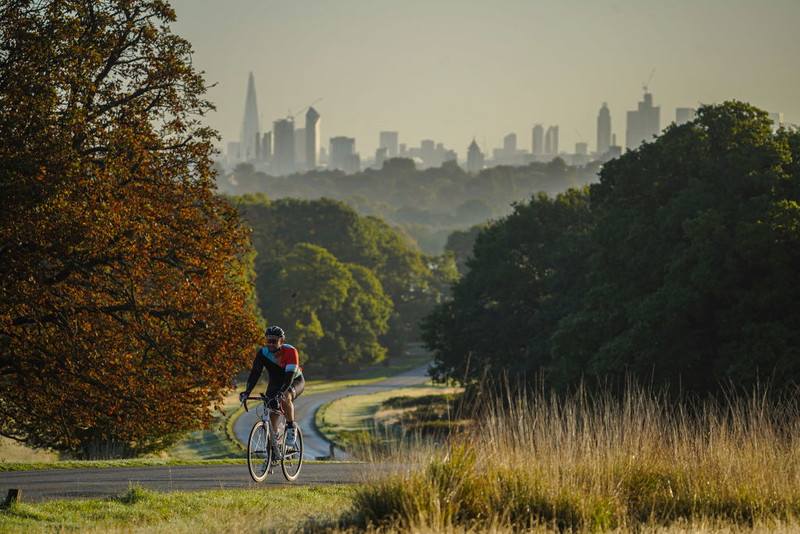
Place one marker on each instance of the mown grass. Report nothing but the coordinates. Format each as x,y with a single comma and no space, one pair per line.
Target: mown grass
359,414
141,510
596,464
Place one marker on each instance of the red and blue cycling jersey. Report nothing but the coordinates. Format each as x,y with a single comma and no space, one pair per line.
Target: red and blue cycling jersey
283,368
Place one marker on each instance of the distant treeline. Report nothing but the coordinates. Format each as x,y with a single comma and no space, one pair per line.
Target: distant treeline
680,267
428,204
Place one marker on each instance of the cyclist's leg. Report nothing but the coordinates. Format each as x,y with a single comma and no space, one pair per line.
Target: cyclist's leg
287,403
273,388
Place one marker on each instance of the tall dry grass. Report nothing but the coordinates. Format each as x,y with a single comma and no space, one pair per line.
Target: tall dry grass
593,462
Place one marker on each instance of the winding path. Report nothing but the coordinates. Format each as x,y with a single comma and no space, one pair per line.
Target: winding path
52,484
306,407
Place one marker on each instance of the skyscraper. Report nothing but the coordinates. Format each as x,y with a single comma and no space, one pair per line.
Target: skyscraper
603,130
283,144
312,138
551,141
343,154
643,124
249,137
266,146
510,144
474,158
537,140
388,140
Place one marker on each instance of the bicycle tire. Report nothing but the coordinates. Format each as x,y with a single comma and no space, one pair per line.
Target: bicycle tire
259,452
292,460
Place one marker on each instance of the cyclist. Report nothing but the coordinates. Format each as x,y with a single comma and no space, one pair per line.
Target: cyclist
286,381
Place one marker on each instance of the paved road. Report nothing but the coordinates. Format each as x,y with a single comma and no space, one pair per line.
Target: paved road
308,403
50,484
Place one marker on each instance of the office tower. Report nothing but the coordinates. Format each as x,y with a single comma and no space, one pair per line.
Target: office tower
427,151
643,124
581,149
266,146
551,141
388,140
283,142
474,158
603,130
312,138
614,151
343,154
537,140
250,129
683,115
777,120
510,144
381,155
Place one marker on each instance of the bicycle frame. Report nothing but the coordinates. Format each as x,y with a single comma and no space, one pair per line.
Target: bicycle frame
261,451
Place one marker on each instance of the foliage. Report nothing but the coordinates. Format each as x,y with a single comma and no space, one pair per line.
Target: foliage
348,287
428,203
523,277
696,266
681,266
125,296
461,243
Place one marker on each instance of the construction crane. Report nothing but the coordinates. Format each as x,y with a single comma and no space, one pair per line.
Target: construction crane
292,115
647,83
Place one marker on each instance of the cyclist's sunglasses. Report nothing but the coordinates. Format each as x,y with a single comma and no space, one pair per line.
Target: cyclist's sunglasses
273,339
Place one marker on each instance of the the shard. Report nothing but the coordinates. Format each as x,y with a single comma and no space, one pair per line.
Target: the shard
248,140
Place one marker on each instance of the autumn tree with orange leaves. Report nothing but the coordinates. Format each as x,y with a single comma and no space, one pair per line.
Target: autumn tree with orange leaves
125,304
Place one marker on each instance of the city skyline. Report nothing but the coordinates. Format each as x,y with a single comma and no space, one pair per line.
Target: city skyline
457,71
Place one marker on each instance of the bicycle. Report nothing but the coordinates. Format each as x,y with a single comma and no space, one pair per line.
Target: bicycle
260,452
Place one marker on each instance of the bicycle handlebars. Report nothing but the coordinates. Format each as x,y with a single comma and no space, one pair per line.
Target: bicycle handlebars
263,398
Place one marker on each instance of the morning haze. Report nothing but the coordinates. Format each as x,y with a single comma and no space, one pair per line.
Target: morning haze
454,71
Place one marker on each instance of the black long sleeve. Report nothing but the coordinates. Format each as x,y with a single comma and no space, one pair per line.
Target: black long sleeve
255,372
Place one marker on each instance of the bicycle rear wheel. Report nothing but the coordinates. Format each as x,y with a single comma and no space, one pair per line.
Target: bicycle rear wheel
259,452
292,459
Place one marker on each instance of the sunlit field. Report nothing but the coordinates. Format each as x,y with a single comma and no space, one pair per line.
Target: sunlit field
590,463
587,463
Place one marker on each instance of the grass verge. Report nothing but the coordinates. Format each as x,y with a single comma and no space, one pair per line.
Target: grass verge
140,510
359,416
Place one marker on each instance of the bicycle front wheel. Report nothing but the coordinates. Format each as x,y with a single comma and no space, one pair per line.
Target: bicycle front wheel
258,452
292,457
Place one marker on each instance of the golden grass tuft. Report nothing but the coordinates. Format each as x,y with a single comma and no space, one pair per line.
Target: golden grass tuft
594,463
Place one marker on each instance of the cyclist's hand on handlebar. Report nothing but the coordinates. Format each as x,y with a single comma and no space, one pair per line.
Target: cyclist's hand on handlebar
242,396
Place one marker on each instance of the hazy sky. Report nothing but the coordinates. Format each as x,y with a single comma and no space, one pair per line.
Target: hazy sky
454,70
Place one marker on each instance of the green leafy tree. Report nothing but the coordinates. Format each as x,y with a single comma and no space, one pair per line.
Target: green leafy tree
335,312
124,307
694,275
414,282
526,273
461,243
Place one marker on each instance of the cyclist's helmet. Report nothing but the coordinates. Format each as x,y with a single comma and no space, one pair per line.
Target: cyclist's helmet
276,331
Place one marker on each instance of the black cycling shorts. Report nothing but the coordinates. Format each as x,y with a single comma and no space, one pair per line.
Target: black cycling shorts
297,387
